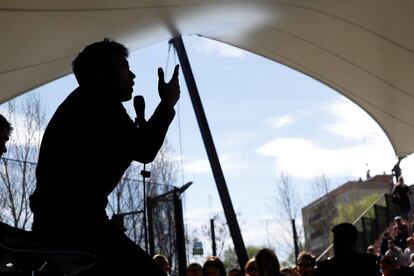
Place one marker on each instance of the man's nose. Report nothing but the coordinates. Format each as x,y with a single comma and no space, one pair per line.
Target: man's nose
132,75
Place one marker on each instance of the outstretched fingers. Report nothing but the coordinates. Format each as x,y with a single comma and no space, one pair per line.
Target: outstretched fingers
175,74
160,76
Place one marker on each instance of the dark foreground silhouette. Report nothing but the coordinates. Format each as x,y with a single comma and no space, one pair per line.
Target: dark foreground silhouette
88,144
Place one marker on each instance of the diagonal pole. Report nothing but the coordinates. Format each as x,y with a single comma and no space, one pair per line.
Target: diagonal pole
211,152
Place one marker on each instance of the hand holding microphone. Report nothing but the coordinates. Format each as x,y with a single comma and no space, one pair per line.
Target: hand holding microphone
139,106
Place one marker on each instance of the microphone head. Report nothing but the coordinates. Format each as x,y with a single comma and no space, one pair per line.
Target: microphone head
139,102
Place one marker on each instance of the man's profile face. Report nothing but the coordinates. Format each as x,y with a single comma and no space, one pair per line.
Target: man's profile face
305,266
121,79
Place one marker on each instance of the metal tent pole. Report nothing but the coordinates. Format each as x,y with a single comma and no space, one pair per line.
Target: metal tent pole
211,152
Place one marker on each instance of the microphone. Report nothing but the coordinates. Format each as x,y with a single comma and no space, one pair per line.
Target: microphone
139,106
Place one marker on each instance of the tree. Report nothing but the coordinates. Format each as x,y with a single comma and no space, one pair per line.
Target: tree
351,211
222,233
288,202
17,172
321,187
287,198
163,178
230,258
128,197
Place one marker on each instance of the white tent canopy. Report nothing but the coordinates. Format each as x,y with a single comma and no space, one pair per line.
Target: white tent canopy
362,48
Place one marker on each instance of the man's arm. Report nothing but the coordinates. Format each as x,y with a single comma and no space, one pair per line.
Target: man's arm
151,134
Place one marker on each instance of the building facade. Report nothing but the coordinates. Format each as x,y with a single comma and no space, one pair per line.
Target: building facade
318,215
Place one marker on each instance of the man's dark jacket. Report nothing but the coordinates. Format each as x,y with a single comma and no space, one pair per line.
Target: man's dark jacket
87,146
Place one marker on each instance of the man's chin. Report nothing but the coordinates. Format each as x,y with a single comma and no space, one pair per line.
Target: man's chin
126,97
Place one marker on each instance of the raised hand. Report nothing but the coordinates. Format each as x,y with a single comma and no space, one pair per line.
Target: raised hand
169,92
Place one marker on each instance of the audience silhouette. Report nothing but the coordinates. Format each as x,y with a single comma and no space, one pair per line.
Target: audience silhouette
213,267
194,269
267,263
346,260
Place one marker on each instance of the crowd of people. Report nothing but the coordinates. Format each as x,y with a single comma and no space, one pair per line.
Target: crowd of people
385,260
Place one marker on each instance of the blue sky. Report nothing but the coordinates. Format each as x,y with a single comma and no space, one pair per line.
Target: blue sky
265,119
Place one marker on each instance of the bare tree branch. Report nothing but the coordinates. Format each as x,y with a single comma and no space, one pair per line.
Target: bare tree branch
287,199
17,174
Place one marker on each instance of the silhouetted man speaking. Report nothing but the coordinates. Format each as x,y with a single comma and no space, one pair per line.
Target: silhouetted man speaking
88,144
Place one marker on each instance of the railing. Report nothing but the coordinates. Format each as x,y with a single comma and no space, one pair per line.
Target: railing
370,224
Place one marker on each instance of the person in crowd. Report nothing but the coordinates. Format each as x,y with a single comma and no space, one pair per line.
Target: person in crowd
401,232
346,260
409,250
235,272
384,242
267,263
162,262
213,267
250,268
5,132
395,252
289,271
372,252
194,269
396,170
402,198
411,264
390,267
306,264
86,148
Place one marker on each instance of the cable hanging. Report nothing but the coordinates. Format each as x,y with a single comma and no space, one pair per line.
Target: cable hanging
178,110
179,129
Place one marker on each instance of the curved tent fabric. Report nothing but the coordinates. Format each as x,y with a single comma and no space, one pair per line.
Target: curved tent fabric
363,49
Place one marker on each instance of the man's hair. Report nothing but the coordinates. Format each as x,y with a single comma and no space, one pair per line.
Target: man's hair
346,231
96,57
213,261
160,256
267,262
4,124
194,265
307,256
250,265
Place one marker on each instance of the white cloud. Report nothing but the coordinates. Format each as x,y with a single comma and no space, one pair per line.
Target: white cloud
212,47
235,139
304,159
203,165
199,166
351,121
281,121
